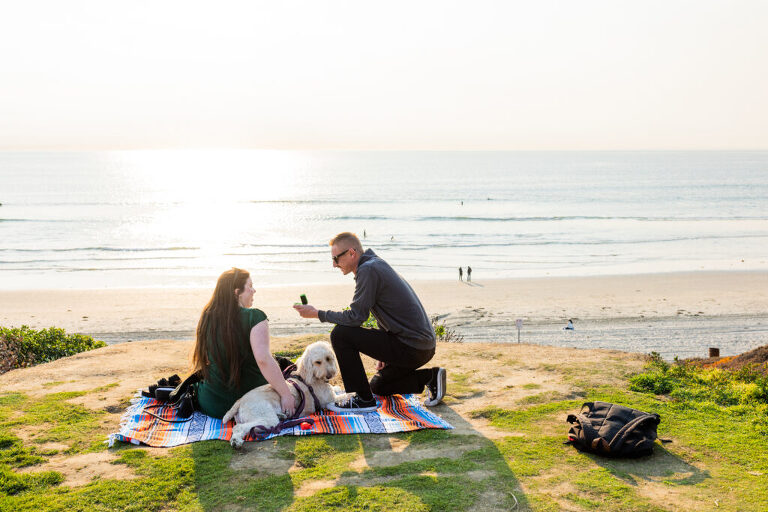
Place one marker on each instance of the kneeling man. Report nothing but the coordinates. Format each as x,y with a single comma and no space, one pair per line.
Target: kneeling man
403,343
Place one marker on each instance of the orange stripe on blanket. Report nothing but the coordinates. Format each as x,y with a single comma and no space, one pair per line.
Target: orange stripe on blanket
397,413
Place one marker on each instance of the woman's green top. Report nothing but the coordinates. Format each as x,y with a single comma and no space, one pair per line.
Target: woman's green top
214,396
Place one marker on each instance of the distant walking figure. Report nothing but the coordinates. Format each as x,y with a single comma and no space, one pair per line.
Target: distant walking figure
469,274
461,273
569,327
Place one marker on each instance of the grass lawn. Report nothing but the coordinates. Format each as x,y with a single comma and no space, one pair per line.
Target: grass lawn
503,455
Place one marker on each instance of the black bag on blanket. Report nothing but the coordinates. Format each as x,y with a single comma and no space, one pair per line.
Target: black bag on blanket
613,430
181,398
163,388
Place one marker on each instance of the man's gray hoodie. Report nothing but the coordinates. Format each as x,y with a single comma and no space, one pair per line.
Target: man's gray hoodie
382,291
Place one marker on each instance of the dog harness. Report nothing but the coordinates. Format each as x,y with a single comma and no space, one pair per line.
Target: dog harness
296,419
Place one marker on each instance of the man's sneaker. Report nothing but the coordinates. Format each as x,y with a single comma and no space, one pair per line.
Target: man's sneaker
354,404
435,387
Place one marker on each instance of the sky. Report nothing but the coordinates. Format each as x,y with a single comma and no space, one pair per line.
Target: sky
396,75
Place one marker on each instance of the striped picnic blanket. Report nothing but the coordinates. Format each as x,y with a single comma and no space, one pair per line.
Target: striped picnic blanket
397,413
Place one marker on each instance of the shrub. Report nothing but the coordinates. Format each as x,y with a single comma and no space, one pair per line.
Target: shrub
24,346
444,333
652,382
371,323
685,381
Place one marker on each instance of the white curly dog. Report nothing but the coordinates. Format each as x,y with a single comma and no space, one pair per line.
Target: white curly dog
261,405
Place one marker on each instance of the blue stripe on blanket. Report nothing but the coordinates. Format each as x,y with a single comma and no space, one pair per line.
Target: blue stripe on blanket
397,413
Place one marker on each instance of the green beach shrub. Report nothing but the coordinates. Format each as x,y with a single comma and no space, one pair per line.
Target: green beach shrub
21,347
444,333
370,323
652,382
684,381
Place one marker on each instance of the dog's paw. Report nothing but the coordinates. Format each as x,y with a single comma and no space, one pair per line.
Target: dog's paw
343,398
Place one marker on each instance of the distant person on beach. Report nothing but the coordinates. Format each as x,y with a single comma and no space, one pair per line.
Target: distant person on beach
569,327
469,274
403,343
461,273
232,348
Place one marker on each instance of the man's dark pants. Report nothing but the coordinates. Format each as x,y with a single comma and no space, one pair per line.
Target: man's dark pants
400,375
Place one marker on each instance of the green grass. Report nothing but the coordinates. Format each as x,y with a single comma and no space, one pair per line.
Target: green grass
376,498
717,455
52,419
688,382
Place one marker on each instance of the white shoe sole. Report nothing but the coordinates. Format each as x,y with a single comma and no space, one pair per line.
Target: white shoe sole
356,410
441,384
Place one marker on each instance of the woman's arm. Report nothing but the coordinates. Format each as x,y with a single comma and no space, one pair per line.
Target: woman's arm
269,367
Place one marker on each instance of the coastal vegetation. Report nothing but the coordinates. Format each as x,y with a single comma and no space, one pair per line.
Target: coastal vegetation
508,404
22,346
688,380
442,331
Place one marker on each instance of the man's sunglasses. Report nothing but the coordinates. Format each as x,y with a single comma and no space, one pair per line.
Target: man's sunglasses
336,258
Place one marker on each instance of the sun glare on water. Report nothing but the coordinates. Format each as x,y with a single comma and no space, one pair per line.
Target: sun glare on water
206,198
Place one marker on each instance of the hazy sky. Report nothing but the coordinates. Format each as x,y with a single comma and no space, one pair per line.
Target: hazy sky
384,75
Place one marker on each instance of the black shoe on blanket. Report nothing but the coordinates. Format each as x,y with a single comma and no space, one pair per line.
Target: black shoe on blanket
436,387
354,404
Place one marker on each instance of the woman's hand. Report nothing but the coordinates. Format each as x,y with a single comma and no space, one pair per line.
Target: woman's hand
269,367
288,404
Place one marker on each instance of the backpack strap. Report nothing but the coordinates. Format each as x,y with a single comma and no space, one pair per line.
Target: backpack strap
590,433
587,428
591,437
618,440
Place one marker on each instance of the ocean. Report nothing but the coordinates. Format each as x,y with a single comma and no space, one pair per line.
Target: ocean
82,220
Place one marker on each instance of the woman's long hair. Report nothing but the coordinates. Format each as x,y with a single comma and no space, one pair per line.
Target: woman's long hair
219,329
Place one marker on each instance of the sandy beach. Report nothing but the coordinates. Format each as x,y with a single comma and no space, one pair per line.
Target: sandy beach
675,314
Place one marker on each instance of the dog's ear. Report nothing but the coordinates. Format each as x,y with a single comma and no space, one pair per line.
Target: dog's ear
304,365
329,351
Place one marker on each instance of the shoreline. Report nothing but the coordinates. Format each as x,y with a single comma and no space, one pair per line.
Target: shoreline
673,313
339,280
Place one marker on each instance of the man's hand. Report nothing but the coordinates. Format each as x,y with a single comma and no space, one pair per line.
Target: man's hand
380,365
306,311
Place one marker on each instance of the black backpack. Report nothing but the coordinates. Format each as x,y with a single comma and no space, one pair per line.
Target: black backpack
613,430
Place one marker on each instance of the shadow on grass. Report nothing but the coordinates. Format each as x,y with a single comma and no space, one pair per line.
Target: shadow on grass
421,470
662,466
445,469
256,478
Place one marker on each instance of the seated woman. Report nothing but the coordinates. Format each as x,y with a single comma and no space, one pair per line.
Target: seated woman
232,348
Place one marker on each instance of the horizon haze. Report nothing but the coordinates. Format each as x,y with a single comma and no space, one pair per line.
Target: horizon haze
552,75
